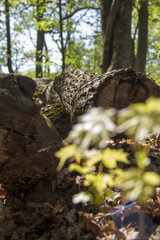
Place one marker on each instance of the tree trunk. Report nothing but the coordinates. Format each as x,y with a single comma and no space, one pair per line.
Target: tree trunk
142,36
105,6
61,35
28,139
47,60
117,45
40,39
9,52
75,91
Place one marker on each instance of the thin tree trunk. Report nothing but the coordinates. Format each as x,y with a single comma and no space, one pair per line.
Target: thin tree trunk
47,63
142,36
9,53
39,69
40,40
105,6
61,35
108,35
122,44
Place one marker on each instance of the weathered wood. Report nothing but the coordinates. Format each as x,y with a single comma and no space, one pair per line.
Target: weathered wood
28,140
74,91
62,94
40,89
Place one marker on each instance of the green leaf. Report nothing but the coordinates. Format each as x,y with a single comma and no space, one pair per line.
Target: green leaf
65,153
151,178
111,156
80,169
141,119
137,185
142,157
93,159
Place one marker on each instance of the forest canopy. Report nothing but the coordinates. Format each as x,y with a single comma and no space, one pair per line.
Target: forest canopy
41,38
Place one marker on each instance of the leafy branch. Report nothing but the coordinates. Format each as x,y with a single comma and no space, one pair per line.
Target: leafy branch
89,141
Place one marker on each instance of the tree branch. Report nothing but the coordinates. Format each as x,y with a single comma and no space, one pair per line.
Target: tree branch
77,10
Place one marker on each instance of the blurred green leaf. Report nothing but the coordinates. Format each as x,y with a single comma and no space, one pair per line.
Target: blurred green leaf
141,119
98,185
137,185
66,152
94,159
111,156
142,157
80,169
151,178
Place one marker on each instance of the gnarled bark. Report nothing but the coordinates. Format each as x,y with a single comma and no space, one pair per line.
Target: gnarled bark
73,92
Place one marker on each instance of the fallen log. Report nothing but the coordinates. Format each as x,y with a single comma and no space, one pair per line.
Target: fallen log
75,91
28,139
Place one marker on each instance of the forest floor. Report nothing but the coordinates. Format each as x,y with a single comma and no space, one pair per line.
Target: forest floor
63,220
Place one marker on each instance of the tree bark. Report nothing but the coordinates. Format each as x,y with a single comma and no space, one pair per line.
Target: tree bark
75,91
117,45
105,6
28,139
9,52
61,35
142,36
40,39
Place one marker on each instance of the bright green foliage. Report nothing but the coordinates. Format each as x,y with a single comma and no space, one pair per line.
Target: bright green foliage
153,62
136,183
89,138
141,156
98,183
75,54
67,152
140,120
110,157
81,30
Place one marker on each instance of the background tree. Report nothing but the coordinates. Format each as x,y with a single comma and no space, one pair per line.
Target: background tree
71,15
75,40
116,34
153,61
140,62
40,9
9,51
